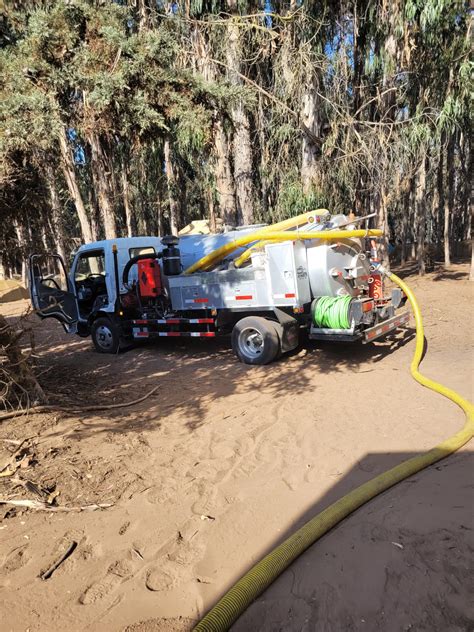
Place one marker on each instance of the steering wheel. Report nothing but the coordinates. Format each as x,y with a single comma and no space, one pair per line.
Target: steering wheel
50,279
91,279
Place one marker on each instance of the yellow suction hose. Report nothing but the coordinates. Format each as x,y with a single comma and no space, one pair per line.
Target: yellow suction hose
255,581
217,255
292,222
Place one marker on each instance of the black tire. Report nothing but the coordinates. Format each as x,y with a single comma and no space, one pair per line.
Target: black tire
255,340
105,336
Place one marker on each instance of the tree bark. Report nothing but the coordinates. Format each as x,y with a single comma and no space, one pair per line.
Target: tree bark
381,209
421,216
67,164
172,189
56,221
211,210
439,209
242,143
449,201
102,178
126,200
21,239
471,275
405,226
159,217
223,175
309,116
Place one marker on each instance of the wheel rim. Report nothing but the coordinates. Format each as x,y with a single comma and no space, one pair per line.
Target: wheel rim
104,337
251,342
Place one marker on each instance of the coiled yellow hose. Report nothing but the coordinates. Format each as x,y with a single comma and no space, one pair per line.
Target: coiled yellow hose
255,581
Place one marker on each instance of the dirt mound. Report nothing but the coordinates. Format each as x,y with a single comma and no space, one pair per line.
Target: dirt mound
11,290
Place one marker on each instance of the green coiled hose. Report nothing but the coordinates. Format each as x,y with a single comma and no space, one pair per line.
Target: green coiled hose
332,312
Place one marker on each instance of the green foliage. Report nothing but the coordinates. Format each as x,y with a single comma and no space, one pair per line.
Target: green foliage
390,84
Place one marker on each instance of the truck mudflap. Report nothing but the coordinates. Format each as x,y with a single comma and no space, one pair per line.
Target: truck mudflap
385,327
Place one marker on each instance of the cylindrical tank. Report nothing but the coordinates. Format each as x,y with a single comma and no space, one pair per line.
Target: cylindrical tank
194,247
171,256
337,269
334,269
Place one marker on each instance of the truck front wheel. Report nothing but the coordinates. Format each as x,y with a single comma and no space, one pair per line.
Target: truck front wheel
105,336
255,340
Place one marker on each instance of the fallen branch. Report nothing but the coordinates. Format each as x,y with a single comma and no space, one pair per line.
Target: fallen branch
49,572
12,464
43,506
85,409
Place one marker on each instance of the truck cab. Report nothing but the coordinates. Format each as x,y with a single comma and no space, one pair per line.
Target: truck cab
87,291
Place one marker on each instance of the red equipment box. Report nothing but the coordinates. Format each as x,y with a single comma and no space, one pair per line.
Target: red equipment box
149,278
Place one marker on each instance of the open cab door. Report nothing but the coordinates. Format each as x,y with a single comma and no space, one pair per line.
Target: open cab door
51,293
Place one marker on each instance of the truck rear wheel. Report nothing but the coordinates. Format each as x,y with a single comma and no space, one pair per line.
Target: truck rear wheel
255,340
105,336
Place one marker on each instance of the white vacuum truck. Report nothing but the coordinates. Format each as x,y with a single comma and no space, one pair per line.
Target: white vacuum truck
261,285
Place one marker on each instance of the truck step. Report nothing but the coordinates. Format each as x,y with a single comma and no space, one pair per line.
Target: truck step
174,321
383,328
144,332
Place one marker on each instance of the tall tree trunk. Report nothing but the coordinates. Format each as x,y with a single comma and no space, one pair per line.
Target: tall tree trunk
405,225
310,118
172,189
67,164
382,222
242,143
56,221
103,184
449,201
223,175
471,275
421,216
126,199
159,215
440,193
211,211
21,239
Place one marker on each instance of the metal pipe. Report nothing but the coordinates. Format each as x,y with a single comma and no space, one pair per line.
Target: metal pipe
118,303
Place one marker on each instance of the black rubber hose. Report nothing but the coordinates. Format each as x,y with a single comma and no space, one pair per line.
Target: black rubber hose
132,262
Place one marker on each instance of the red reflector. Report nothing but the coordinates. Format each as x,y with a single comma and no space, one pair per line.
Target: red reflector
368,306
201,300
290,295
244,297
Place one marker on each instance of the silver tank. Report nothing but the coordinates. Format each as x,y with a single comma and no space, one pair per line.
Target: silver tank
334,269
194,247
337,268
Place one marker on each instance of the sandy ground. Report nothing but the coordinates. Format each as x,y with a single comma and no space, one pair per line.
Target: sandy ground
225,461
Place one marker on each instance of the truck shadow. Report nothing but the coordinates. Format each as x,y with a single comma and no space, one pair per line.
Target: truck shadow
191,375
397,563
